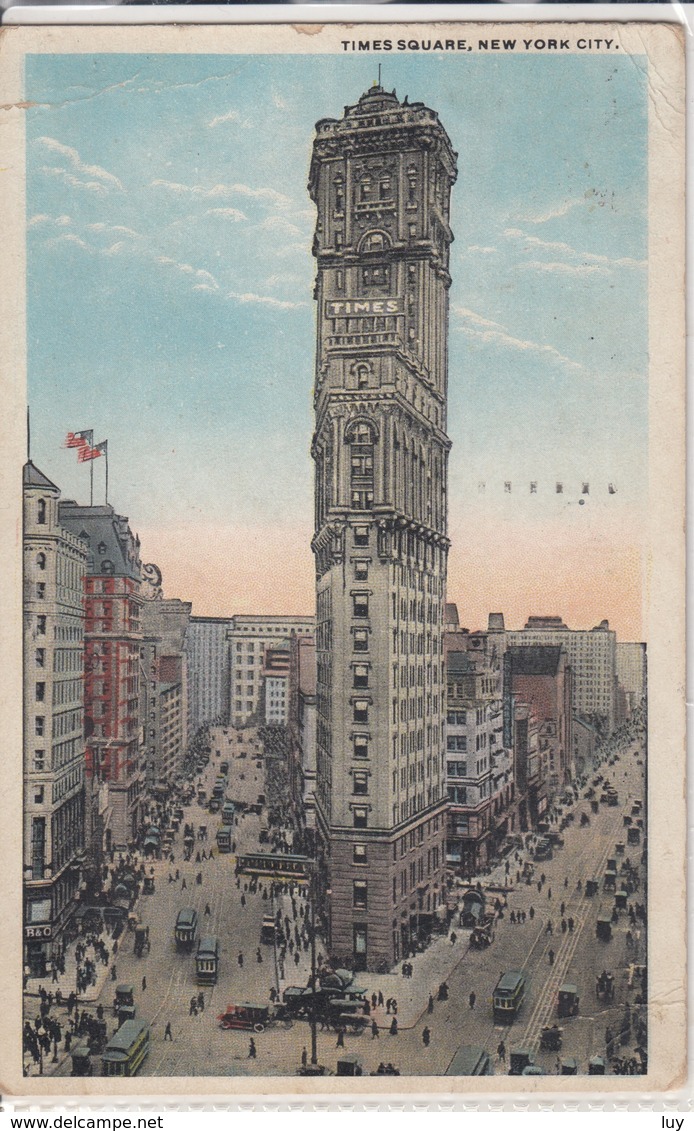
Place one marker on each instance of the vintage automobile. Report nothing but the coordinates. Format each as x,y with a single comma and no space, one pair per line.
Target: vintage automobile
81,1061
519,1060
604,986
596,1066
568,1000
603,928
252,1016
473,908
142,942
592,887
551,1037
124,1003
569,1066
148,885
482,935
349,1066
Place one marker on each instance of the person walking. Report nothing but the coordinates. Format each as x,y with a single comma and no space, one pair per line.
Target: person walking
183,884
168,1036
304,1057
374,1030
252,1051
144,983
473,999
550,955
430,1006
240,959
501,1051
340,1039
207,909
201,1002
426,1036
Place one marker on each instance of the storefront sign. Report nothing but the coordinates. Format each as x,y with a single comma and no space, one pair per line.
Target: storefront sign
44,932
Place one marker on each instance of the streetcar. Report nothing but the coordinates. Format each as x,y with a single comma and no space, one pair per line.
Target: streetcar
224,838
127,1049
207,961
280,867
509,995
186,929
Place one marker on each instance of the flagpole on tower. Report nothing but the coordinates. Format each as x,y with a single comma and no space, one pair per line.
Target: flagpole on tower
91,483
28,435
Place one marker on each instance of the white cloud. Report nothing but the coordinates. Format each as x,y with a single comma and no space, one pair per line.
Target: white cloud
209,280
107,180
221,190
71,238
42,218
72,180
279,102
553,213
265,300
476,319
228,213
280,225
280,279
230,116
562,268
477,249
558,247
485,330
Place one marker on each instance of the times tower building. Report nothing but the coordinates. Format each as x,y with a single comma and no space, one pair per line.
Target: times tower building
381,178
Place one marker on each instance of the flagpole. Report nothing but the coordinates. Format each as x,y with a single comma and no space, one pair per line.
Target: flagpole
91,482
106,454
28,435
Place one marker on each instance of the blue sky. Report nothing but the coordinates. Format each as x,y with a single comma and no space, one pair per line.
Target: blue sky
170,276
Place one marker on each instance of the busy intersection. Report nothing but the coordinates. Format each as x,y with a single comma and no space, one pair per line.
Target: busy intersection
542,920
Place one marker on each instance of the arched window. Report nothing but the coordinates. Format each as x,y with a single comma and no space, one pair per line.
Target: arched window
41,512
41,561
362,376
365,189
361,441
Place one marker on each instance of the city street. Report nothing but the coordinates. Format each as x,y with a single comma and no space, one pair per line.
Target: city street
229,910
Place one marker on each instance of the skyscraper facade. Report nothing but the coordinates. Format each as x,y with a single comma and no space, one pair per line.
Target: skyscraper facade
55,563
381,178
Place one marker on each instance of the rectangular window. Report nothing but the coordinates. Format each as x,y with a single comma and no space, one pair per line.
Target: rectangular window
361,745
359,895
361,570
360,674
39,760
39,725
360,816
41,625
361,640
361,535
360,604
456,742
41,590
359,854
360,782
457,718
40,657
361,710
38,845
457,769
360,937
38,795
40,692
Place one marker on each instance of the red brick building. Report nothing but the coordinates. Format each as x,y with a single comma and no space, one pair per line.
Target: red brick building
113,637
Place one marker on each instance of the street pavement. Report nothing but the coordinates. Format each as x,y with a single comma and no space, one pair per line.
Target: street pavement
234,914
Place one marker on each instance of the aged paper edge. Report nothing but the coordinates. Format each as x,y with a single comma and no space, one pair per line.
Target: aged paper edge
664,588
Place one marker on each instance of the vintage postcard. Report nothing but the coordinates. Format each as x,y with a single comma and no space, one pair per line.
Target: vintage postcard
342,531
